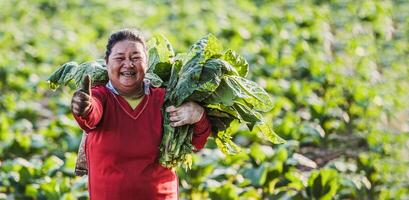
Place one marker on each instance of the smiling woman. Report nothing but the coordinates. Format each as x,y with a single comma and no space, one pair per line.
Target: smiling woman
127,65
124,126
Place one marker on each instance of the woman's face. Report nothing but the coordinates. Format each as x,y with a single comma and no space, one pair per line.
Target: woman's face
127,65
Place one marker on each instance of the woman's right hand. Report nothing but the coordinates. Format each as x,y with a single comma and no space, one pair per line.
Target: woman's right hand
81,100
187,113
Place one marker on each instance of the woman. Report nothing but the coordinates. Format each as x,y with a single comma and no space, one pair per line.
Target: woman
124,125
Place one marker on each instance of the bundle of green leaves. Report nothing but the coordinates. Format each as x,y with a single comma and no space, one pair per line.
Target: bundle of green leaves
205,74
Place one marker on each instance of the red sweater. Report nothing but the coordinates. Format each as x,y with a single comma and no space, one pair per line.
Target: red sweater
122,147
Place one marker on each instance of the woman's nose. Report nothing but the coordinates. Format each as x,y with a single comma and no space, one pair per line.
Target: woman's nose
129,63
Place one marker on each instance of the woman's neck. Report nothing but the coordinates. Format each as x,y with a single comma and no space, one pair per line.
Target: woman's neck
135,95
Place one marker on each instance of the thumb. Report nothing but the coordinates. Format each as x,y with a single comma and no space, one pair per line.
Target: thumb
86,84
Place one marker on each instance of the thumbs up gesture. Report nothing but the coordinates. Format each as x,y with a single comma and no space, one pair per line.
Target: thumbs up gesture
81,100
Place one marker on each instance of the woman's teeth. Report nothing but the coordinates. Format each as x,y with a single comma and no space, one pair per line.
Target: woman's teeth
127,73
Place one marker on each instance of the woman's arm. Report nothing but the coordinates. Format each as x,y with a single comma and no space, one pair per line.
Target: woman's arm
201,132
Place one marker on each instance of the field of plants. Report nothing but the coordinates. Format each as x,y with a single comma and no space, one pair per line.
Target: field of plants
337,72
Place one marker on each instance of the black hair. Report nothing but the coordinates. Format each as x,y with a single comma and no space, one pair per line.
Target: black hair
121,35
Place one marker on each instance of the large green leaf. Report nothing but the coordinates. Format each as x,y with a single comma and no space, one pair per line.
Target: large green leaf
208,47
188,77
62,75
237,61
161,56
237,89
255,96
208,82
96,69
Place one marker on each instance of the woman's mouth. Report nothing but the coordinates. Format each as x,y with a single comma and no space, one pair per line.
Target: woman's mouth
127,74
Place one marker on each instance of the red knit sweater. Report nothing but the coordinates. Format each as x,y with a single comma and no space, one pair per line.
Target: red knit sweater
122,147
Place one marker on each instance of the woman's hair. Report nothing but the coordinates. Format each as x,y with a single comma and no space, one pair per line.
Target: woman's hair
121,35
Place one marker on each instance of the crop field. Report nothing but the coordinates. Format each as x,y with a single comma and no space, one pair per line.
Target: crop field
337,72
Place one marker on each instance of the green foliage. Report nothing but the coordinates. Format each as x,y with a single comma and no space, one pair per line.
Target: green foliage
213,83
72,71
337,72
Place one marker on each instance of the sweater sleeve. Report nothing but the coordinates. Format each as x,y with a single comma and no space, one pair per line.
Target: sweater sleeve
94,114
201,132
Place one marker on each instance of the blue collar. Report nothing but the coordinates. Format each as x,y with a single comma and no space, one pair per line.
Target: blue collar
111,88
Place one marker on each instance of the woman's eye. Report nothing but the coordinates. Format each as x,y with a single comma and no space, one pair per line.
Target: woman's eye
136,58
119,59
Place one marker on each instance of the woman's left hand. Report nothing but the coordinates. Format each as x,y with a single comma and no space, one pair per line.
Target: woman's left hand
187,113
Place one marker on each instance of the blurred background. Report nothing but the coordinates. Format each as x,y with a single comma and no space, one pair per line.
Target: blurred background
337,71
